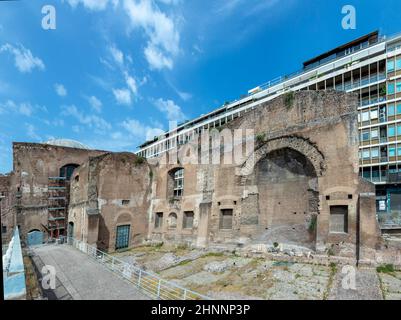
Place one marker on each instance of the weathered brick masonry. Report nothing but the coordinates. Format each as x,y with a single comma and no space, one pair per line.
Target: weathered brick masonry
299,185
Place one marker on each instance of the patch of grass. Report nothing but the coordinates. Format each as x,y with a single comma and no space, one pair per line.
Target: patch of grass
312,224
381,286
260,138
158,245
181,246
386,268
333,271
289,99
139,160
330,252
213,254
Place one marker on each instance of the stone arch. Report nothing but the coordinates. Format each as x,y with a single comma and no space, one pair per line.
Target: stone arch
70,230
123,217
302,145
282,177
67,170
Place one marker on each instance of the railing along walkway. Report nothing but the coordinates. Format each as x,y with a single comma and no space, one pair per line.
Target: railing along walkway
147,282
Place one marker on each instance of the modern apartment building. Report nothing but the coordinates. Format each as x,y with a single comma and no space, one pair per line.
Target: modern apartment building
369,66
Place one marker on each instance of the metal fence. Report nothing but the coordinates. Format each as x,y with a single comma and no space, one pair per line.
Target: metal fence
148,282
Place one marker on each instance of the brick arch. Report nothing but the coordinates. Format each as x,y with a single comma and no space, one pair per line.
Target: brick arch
123,217
302,145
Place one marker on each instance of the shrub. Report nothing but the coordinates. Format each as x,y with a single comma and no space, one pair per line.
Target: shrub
139,160
312,224
289,99
387,268
260,137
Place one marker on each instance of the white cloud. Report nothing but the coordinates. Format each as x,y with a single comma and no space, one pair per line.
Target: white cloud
131,83
184,95
139,130
170,2
95,5
92,121
117,54
123,96
76,129
172,111
23,108
161,30
60,90
31,132
156,59
23,58
95,103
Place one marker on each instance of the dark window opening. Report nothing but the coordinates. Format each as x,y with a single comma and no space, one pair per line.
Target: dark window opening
159,220
188,220
67,171
125,202
339,219
226,219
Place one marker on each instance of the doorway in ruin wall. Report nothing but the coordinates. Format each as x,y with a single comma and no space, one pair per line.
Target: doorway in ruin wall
284,172
288,198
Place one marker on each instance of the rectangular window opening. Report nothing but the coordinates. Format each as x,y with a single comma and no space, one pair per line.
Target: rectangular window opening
339,219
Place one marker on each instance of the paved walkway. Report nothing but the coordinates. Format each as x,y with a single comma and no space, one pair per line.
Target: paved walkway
367,286
81,278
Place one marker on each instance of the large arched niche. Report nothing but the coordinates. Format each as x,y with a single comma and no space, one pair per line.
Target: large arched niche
302,145
285,172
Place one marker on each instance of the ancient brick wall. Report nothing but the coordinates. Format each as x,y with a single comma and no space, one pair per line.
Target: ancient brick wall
33,164
109,191
305,166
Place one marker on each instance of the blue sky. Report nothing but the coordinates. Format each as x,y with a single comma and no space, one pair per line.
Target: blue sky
114,72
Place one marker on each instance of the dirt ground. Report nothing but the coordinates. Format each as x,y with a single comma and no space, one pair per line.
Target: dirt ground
228,276
224,275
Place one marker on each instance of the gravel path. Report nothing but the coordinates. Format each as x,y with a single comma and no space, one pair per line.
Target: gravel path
81,278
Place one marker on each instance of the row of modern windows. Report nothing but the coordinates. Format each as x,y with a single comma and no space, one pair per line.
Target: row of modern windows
394,87
338,82
160,147
394,64
382,112
373,133
374,153
378,173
